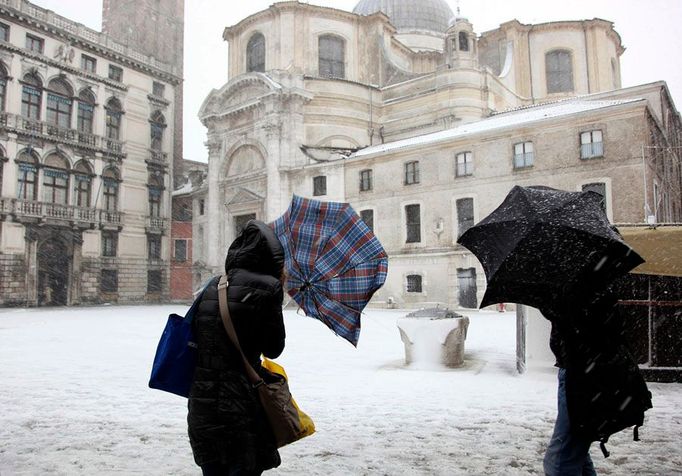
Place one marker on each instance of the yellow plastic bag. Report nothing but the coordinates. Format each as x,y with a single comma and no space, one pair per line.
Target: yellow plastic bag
307,424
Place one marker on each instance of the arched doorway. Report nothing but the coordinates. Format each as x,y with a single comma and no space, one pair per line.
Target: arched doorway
53,273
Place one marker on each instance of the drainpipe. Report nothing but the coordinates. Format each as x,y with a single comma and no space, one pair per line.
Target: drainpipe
530,66
587,60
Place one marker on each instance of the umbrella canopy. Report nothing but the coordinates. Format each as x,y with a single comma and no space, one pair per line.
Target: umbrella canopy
540,239
333,261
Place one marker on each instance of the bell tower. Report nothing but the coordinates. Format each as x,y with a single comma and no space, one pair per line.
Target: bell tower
461,49
154,28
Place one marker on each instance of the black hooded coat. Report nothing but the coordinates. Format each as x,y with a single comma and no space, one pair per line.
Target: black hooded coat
226,423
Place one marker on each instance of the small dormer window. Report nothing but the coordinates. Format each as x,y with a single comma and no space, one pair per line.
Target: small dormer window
463,41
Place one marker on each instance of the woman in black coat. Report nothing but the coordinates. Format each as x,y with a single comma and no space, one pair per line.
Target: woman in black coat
228,430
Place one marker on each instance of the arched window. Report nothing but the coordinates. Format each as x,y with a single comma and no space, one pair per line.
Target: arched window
27,163
463,41
56,179
3,86
31,94
114,112
255,53
83,178
155,190
110,181
86,111
559,71
331,57
59,101
158,124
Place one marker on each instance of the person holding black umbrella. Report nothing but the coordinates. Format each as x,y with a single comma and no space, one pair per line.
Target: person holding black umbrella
556,250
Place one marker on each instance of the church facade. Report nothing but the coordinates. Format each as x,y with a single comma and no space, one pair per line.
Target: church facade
401,109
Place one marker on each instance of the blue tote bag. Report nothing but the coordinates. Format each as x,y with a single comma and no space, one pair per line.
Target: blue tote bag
176,354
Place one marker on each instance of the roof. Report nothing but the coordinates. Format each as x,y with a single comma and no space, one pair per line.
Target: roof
661,248
519,117
410,15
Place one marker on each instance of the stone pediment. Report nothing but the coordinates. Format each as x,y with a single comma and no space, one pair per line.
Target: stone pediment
244,196
242,91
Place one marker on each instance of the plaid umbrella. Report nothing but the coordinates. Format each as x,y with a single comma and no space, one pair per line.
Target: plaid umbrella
333,261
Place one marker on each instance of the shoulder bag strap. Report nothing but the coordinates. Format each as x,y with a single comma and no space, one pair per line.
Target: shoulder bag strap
231,333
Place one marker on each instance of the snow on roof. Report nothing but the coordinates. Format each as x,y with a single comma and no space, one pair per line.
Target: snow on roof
502,120
187,188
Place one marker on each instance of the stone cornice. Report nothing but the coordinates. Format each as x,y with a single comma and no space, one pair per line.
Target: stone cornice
61,65
283,7
108,50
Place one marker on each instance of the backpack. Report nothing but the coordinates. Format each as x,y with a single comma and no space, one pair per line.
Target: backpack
606,393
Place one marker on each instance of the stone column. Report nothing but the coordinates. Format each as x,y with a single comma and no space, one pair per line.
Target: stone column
215,207
75,278
31,258
273,130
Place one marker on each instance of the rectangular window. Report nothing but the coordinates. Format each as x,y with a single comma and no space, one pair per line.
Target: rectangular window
465,164
158,89
201,206
368,217
465,215
154,246
88,63
412,172
109,243
414,283
319,185
4,32
523,155
180,250
109,281
600,188
115,73
365,180
591,144
154,282
413,224
30,102
34,43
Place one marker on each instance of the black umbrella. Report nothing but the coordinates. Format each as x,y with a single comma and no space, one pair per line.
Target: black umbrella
540,239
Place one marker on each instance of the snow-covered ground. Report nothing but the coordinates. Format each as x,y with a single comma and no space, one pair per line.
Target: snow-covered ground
74,400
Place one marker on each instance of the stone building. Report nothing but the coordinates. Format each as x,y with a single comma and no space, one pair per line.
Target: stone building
86,130
401,109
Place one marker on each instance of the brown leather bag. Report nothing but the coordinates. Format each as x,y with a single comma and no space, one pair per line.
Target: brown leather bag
273,390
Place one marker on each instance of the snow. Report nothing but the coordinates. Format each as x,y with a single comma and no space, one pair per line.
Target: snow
75,400
185,189
515,118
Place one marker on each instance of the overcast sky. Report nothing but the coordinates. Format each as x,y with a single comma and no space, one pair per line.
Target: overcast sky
649,31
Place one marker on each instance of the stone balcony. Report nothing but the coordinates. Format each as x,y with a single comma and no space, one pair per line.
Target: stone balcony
53,133
157,225
81,217
157,158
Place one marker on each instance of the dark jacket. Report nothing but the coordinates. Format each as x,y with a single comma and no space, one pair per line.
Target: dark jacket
225,421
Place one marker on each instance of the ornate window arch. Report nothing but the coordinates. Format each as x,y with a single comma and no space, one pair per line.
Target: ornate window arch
27,163
331,56
255,53
114,112
31,96
56,179
559,71
86,111
82,174
158,124
59,102
110,181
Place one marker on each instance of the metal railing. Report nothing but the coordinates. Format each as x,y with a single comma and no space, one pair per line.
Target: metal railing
33,127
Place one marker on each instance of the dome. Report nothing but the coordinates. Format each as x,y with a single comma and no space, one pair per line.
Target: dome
410,15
